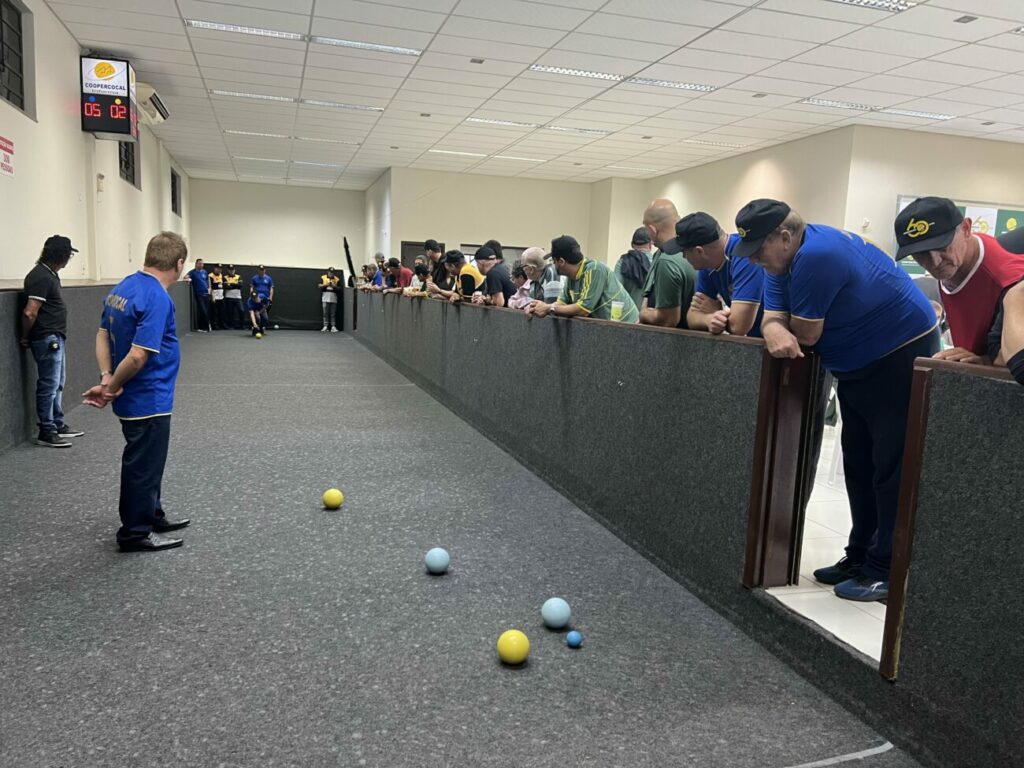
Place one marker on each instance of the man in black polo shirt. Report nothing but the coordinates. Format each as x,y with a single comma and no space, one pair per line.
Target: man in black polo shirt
498,287
44,327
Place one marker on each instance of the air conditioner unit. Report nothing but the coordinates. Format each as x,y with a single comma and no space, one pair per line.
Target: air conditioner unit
151,108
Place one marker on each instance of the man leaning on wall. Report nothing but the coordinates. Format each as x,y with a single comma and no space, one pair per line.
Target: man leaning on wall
44,329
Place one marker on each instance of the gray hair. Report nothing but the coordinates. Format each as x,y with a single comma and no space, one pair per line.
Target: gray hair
794,223
534,257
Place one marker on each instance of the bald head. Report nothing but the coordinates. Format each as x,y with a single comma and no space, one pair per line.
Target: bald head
660,220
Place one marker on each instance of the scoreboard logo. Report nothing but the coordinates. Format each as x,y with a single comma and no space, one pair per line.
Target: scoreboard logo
105,76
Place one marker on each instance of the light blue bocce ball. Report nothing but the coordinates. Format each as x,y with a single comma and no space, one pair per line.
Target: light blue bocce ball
555,612
574,639
437,560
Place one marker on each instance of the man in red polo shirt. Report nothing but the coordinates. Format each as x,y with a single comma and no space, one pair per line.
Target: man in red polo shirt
973,270
398,277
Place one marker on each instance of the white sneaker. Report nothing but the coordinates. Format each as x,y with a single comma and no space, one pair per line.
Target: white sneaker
324,329
334,330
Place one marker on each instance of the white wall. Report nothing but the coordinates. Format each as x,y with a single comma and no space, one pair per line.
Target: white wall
378,220
887,163
275,224
811,174
53,190
471,208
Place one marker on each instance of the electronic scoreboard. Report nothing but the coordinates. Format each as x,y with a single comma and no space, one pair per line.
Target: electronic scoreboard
109,110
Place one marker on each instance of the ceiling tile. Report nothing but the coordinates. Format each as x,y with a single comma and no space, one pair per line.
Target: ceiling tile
853,59
481,29
929,20
812,73
244,16
381,15
788,26
975,55
751,45
610,25
888,40
369,33
520,12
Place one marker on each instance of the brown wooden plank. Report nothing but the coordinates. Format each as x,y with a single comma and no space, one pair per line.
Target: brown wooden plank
761,472
906,513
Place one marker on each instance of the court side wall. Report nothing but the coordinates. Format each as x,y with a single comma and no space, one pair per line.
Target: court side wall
274,224
18,369
54,187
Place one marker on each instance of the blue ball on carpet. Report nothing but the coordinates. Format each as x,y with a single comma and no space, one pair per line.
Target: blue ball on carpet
574,639
437,560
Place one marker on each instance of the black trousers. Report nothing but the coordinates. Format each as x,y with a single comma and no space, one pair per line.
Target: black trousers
219,323
142,471
203,312
874,401
234,313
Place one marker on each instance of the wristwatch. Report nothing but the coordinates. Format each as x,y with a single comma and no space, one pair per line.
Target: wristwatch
106,373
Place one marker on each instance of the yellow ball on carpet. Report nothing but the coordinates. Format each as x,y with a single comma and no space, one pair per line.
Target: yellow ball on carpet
333,498
259,335
513,647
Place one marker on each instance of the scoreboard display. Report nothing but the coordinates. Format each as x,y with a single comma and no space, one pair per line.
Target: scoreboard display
108,103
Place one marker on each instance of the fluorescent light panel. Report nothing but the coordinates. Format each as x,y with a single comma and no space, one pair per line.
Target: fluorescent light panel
318,165
259,159
893,6
623,78
340,105
216,27
365,46
671,84
586,131
627,168
510,123
1018,31
262,135
839,104
713,143
882,110
263,96
520,159
576,72
915,113
327,141
451,152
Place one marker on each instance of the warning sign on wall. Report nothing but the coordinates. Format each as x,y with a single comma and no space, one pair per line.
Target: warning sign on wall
6,156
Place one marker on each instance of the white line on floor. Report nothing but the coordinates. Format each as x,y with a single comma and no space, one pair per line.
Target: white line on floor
847,758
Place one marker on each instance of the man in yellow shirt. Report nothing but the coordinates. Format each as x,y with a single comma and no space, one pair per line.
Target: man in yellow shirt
468,279
329,299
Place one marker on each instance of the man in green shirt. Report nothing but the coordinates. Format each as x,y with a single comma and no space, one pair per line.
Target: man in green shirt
671,281
591,290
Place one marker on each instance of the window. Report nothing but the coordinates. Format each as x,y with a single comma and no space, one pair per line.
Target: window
128,161
175,193
12,62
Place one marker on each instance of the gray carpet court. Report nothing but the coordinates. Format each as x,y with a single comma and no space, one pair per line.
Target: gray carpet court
284,635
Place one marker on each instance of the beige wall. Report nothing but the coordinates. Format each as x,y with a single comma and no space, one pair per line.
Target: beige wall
378,221
54,186
470,208
275,224
811,174
888,163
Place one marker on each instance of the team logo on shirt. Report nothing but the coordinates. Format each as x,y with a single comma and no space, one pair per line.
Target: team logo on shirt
917,228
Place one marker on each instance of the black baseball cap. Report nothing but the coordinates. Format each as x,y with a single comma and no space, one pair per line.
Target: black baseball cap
454,257
641,236
692,230
927,224
394,263
563,247
755,221
59,244
260,267
484,253
431,245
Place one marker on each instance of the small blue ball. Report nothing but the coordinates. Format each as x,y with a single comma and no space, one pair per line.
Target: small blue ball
437,560
555,612
574,639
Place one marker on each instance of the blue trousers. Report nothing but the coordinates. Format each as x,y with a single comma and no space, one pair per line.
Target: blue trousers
142,471
50,362
874,402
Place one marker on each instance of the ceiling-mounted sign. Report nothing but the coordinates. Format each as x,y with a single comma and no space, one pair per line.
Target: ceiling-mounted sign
6,156
108,99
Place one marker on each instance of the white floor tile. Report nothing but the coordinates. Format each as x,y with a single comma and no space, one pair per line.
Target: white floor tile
814,530
842,618
821,552
834,515
824,492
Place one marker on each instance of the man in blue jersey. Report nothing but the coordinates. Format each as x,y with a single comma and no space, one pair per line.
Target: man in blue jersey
137,352
829,289
729,287
199,279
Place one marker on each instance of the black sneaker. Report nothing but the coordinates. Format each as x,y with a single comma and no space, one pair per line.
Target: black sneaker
152,543
67,431
52,440
840,572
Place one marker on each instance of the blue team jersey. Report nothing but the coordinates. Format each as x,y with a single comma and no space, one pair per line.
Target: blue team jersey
378,279
200,281
736,280
869,304
263,284
139,312
257,303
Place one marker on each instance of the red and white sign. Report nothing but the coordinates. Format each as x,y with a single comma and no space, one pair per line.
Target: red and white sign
6,156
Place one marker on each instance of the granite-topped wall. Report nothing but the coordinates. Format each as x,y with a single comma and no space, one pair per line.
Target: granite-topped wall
18,369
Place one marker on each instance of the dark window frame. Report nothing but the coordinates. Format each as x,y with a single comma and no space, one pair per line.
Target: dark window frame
12,54
175,193
129,161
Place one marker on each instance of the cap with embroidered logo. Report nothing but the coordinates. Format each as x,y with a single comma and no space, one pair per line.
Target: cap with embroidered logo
755,221
691,231
927,224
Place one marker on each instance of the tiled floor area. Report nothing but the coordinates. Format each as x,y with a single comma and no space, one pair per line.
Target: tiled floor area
825,531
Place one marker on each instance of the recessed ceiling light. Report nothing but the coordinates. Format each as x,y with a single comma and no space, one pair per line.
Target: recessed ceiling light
671,84
520,159
318,165
258,159
476,61
586,131
894,6
576,72
340,105
424,114
759,95
966,19
365,46
646,137
839,104
451,152
1018,31
263,96
262,135
577,163
989,122
915,113
628,168
215,27
713,143
326,141
510,123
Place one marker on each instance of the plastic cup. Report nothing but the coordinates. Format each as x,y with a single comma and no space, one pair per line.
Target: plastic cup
617,307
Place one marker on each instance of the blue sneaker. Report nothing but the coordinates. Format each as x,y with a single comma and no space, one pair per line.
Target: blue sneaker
841,571
862,590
